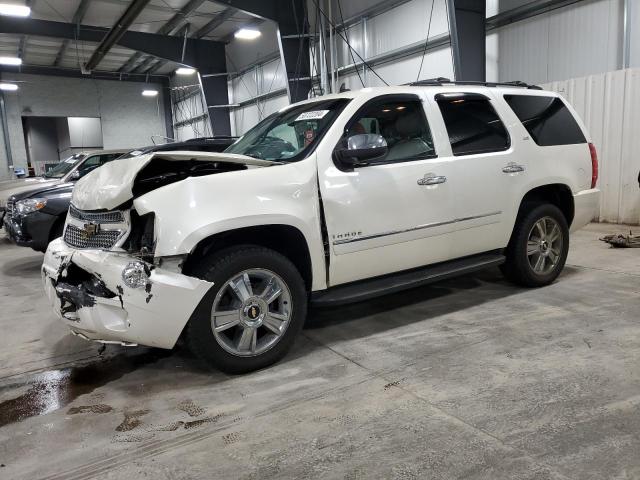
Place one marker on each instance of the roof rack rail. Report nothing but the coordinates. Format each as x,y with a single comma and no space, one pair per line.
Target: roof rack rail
445,81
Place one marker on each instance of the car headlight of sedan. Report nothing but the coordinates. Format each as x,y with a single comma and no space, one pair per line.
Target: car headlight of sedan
30,205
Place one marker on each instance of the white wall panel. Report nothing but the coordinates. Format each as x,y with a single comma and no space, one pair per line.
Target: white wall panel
581,39
405,25
609,104
634,33
247,117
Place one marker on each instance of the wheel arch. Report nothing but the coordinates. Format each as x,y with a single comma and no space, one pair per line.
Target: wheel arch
558,194
285,239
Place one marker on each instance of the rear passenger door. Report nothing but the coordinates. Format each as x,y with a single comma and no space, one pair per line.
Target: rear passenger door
488,175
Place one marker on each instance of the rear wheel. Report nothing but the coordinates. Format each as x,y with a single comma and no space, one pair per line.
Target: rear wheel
252,315
539,245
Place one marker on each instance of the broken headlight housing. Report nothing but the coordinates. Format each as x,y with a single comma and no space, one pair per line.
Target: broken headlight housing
135,275
30,205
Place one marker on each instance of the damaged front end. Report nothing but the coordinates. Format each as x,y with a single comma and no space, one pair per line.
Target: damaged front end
105,277
114,297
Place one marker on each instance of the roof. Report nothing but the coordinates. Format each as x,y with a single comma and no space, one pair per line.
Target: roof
444,88
166,17
101,152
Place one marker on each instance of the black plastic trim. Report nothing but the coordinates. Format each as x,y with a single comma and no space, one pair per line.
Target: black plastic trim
374,287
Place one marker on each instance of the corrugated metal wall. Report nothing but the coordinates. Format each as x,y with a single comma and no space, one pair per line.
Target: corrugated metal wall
573,41
609,104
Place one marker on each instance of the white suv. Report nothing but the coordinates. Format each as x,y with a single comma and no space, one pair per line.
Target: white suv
332,200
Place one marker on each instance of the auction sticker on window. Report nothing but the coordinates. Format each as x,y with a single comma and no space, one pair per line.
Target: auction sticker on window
312,115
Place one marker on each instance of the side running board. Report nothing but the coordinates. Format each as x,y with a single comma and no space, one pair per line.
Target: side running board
395,282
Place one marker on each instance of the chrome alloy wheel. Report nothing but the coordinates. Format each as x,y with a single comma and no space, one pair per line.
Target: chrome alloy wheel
544,245
251,312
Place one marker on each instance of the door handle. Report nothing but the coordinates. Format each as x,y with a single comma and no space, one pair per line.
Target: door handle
431,179
513,168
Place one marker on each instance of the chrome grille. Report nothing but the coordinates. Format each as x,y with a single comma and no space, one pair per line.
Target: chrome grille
105,239
97,217
9,208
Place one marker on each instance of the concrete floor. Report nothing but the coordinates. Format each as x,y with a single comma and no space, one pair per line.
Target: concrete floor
470,378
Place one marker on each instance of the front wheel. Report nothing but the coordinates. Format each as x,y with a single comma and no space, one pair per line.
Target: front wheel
538,248
254,312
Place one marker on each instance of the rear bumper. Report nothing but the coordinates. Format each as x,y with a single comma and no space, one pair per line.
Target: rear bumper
586,204
153,316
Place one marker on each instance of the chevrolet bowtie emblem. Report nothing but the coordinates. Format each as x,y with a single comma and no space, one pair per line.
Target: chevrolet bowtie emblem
90,230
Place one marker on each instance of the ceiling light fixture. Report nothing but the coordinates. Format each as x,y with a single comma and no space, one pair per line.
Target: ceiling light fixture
10,61
247,34
8,87
14,10
150,93
185,71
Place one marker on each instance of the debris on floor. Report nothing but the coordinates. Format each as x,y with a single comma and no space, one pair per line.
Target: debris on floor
620,240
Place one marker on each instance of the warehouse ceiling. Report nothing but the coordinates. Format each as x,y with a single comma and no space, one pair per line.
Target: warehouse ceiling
199,18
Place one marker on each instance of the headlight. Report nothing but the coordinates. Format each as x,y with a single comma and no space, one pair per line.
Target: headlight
135,275
30,205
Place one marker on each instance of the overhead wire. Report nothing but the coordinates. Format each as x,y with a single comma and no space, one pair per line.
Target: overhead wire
453,62
351,50
426,41
349,45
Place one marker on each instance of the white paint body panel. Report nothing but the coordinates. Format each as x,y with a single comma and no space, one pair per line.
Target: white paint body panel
156,321
378,219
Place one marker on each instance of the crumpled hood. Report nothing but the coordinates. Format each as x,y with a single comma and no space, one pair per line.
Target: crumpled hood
11,187
111,185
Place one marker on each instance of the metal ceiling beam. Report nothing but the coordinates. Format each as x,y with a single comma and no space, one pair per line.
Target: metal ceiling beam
72,72
117,31
152,66
161,46
215,22
77,20
174,23
22,46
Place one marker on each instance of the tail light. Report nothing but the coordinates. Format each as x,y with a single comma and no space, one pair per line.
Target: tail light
594,165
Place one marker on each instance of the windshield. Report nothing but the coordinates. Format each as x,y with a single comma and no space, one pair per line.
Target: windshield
288,136
64,167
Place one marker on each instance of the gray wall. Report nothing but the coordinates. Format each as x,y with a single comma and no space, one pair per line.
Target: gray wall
128,118
43,139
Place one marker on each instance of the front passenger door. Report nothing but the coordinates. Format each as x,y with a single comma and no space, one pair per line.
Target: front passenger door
396,212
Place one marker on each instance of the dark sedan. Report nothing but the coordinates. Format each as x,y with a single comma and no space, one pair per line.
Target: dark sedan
37,216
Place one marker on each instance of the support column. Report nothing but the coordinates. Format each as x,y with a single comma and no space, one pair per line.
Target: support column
468,38
293,37
212,67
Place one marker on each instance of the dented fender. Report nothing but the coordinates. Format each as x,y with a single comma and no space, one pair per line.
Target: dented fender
154,315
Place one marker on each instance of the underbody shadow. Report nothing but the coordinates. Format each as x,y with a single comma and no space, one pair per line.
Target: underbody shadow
23,267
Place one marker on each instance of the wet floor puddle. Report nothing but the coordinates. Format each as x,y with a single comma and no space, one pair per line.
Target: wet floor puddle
55,389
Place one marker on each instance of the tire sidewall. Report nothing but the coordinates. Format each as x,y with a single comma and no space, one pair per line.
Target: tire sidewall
219,270
523,270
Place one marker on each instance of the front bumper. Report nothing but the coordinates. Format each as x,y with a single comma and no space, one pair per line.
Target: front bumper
586,204
153,316
32,230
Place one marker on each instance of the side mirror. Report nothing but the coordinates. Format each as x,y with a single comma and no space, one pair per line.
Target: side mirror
75,175
357,149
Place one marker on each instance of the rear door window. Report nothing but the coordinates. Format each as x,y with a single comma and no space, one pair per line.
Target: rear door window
472,124
547,119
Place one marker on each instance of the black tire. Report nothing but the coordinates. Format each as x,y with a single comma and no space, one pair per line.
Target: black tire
220,268
517,267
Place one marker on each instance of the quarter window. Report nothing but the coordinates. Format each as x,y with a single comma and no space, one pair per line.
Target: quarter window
402,124
547,119
472,124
